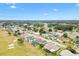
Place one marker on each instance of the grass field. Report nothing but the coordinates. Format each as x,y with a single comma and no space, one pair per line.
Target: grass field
25,50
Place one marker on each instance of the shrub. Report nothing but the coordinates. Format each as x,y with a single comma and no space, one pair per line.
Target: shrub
20,41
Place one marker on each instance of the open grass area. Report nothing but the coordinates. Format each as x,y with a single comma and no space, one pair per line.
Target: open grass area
25,50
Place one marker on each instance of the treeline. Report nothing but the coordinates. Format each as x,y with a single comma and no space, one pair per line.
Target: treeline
42,21
68,27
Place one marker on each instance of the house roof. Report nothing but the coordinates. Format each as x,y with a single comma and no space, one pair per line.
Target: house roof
66,53
34,43
51,47
30,38
77,50
64,39
77,42
40,41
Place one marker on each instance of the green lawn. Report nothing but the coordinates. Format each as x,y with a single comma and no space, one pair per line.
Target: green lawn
26,50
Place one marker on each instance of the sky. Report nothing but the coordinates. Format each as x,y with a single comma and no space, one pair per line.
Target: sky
39,11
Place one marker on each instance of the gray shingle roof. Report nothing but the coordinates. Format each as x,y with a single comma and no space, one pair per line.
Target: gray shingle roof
40,41
66,53
51,47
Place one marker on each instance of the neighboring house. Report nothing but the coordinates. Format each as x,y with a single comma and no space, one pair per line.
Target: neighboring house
59,34
66,53
30,38
51,47
49,41
77,42
75,33
53,33
45,35
56,43
36,33
48,36
52,37
34,43
71,35
40,41
65,39
77,50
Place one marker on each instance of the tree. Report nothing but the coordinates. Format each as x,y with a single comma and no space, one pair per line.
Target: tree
50,30
35,29
65,35
50,25
77,39
20,41
72,50
41,46
25,26
29,28
64,27
9,33
42,31
38,25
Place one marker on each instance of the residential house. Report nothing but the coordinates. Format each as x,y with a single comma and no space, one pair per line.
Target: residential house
77,50
34,43
40,41
30,38
65,39
66,53
51,47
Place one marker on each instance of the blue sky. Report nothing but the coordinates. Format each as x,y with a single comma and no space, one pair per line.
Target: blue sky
39,11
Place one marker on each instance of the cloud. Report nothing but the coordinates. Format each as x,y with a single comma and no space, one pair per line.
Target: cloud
12,6
55,9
